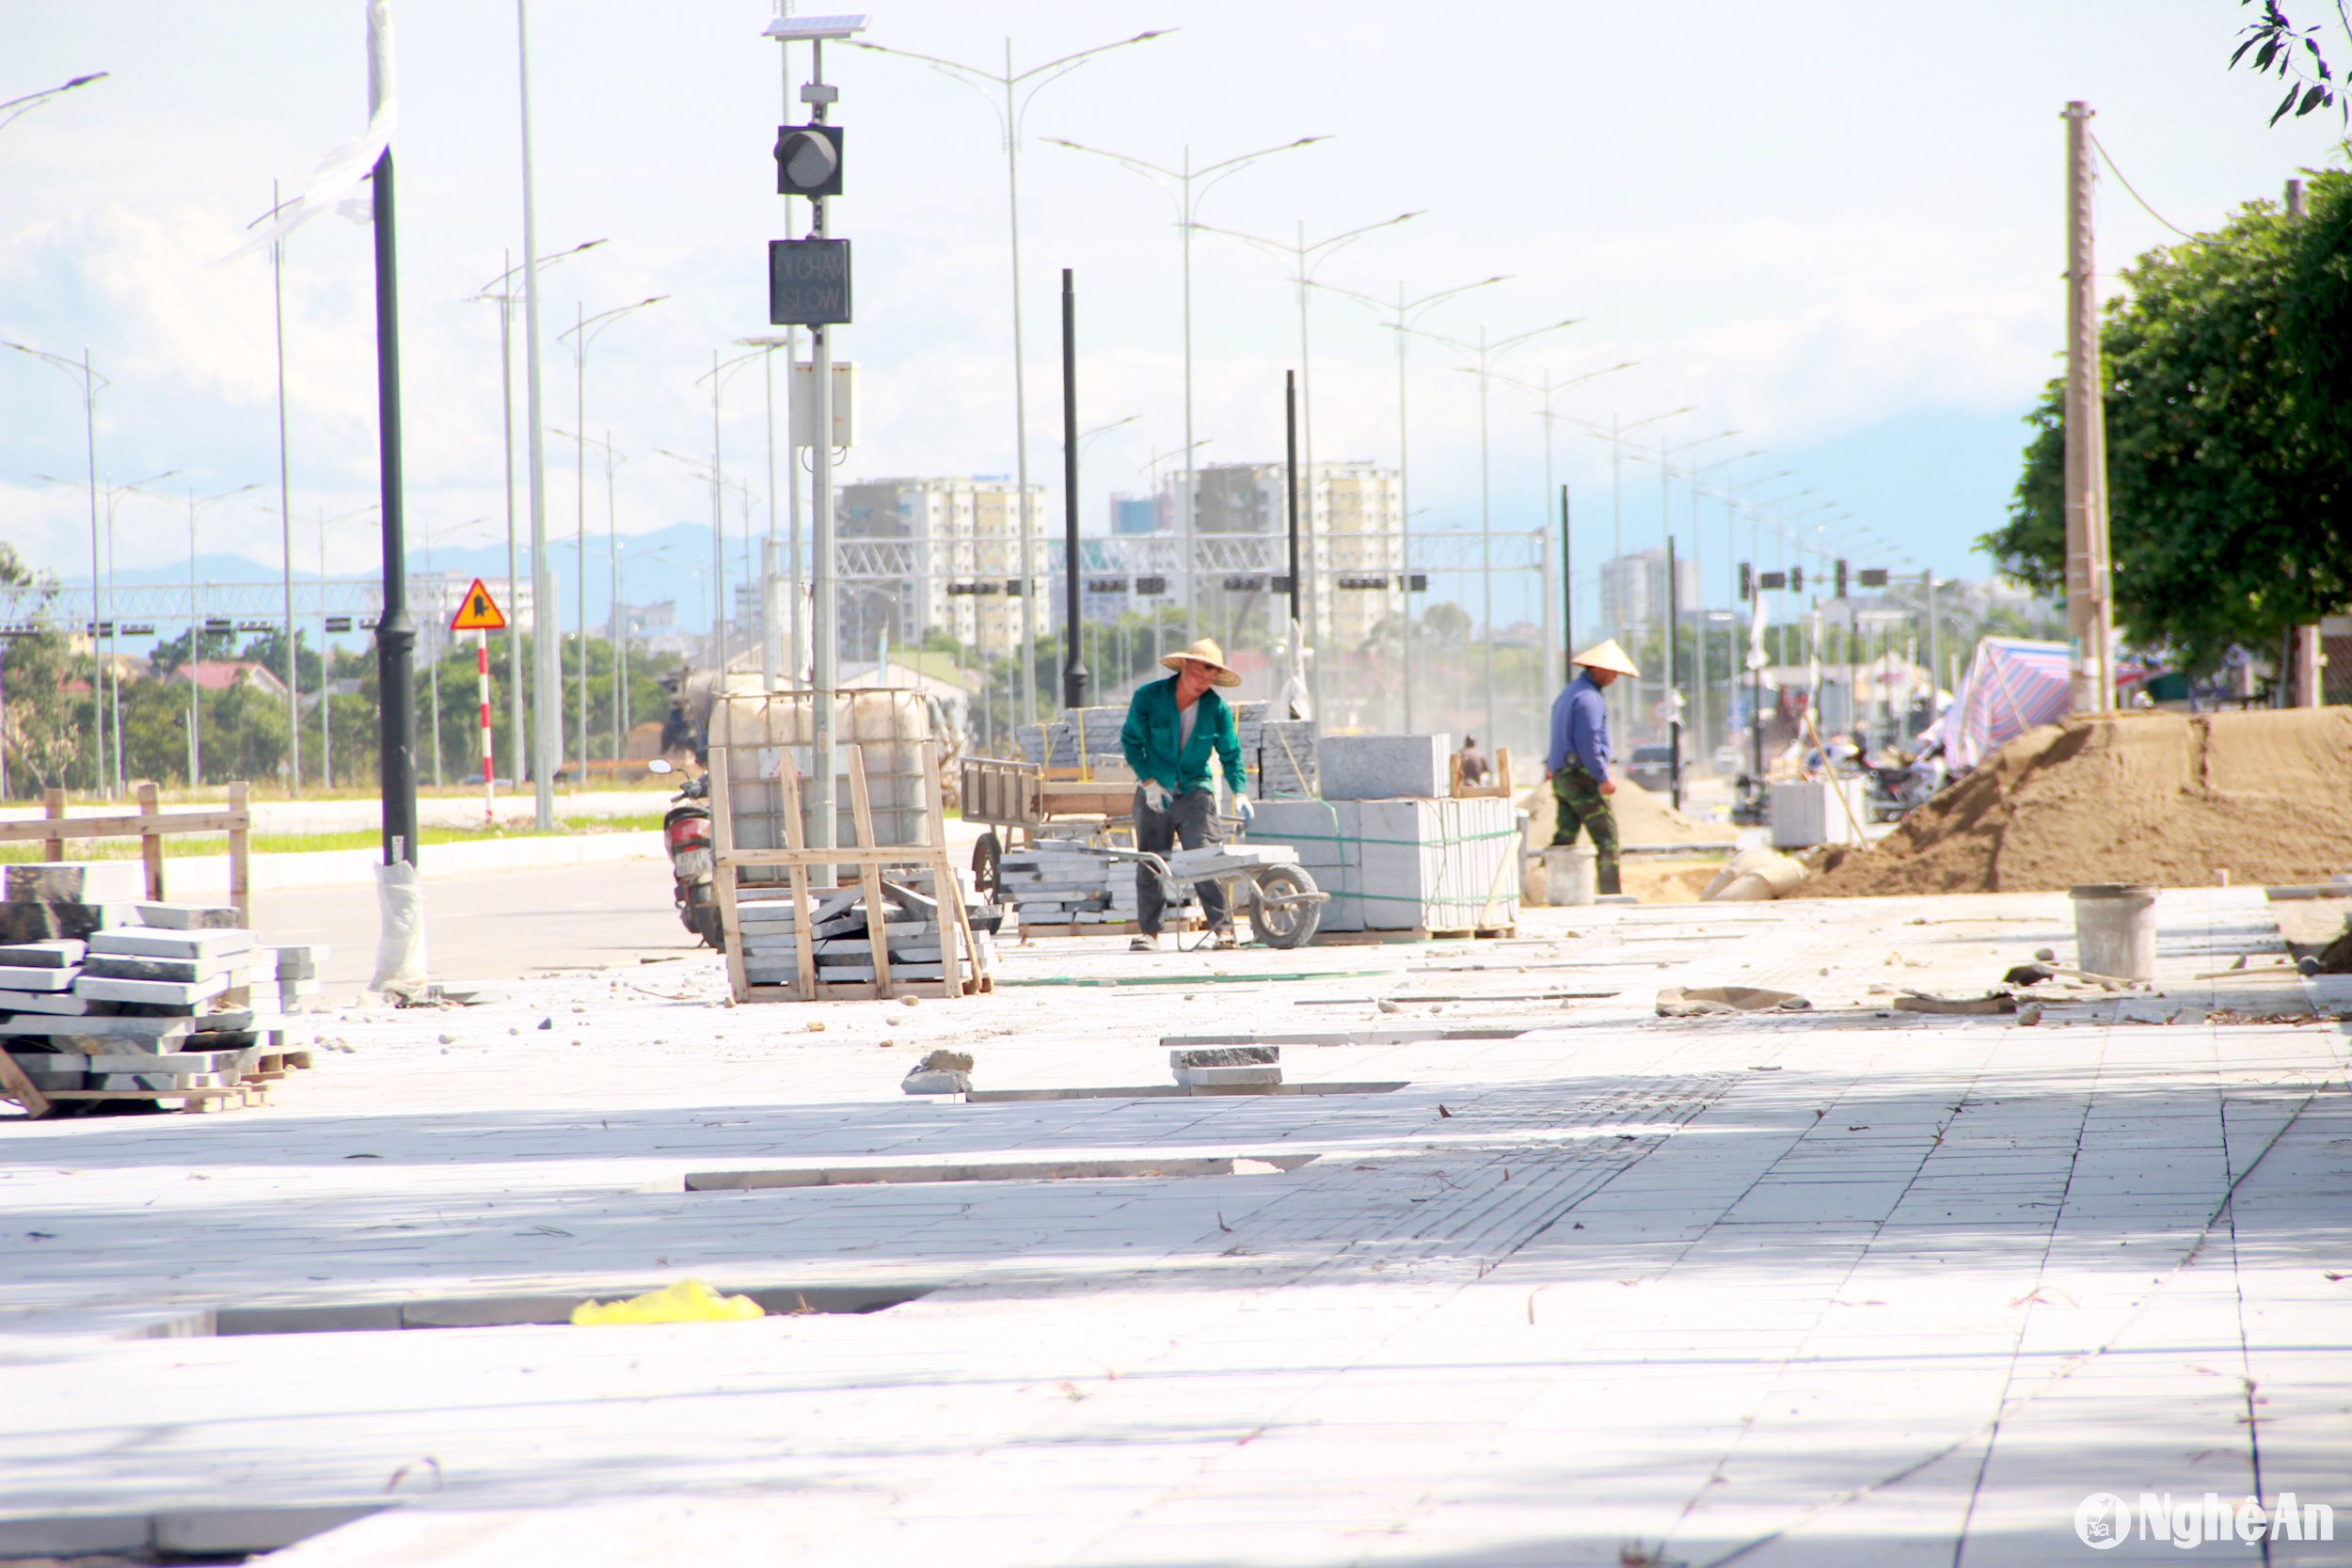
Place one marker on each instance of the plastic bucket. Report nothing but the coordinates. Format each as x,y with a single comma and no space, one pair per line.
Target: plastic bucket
1571,874
2115,929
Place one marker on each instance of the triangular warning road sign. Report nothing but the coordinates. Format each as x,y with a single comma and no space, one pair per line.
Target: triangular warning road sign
479,612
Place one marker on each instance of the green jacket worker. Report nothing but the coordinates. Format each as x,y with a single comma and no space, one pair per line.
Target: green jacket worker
1176,731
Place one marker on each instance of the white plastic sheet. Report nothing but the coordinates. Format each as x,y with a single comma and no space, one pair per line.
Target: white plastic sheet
400,948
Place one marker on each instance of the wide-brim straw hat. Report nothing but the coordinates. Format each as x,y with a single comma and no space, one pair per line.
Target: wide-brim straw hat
1205,652
1607,656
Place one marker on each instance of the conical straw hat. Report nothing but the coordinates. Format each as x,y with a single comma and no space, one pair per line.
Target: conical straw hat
1606,656
1205,652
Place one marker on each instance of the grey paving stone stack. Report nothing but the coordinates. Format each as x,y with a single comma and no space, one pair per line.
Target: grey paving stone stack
1383,766
1405,863
922,945
181,998
1057,882
1284,759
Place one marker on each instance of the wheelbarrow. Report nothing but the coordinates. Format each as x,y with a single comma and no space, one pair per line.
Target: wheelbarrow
1283,903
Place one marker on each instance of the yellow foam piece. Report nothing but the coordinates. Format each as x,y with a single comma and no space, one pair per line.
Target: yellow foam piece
688,1301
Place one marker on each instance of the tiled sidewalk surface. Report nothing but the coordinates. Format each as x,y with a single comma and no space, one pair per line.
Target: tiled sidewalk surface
1850,1288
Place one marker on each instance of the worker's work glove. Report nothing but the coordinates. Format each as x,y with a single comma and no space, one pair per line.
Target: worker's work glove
1155,794
1243,809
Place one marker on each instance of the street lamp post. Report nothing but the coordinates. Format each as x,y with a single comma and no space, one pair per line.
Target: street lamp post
1187,215
102,613
616,629
91,382
500,291
1547,390
17,108
771,659
1305,259
1010,117
717,376
327,671
582,337
1698,574
1407,314
1487,353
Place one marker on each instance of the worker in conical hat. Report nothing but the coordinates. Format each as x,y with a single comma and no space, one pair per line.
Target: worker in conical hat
1178,732
1577,762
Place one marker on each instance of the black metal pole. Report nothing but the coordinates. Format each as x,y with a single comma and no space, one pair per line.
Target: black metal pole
395,634
1568,589
1289,473
1674,675
1755,699
1075,682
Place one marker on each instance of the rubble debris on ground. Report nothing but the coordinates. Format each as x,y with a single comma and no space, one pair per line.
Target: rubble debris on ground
149,1000
939,1072
2166,798
1992,1003
1712,1001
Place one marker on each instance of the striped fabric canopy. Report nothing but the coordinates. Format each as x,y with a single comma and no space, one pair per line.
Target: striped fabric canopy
2011,686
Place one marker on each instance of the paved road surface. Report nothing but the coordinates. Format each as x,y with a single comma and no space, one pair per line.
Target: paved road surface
495,925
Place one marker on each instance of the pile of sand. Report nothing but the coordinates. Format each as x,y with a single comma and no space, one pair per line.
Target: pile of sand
2163,798
1642,818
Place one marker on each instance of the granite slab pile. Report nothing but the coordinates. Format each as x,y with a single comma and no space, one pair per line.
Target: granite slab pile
143,996
922,945
1063,882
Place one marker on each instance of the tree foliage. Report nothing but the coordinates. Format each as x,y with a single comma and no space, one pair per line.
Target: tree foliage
2293,55
2228,397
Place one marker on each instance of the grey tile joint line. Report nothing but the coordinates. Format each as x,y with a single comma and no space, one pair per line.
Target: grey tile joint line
2064,1375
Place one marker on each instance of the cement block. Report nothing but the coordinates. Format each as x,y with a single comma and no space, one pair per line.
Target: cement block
114,966
54,953
299,961
189,917
157,1083
38,979
140,941
1382,766
76,882
153,1030
153,993
41,1002
1203,1077
249,1531
72,1535
1226,1055
31,921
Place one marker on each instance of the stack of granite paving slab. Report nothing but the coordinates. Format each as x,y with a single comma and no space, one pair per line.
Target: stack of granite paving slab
1066,883
922,945
146,997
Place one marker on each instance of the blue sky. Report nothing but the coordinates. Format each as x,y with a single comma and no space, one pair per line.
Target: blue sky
1834,229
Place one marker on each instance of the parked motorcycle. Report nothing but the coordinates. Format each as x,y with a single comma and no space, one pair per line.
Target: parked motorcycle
686,832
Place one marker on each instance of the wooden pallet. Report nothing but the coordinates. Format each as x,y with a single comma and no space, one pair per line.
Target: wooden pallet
149,824
867,861
1186,926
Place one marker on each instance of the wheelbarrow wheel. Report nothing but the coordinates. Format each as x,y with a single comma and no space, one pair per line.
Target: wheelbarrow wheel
1282,913
988,856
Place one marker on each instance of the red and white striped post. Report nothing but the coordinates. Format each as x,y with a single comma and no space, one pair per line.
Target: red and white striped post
482,667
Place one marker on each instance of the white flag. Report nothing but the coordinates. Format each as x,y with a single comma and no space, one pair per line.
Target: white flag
339,174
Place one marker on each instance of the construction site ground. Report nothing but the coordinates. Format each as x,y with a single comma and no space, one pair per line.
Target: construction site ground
1575,1284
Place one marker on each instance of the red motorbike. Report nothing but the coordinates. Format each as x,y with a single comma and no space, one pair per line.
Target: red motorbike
686,832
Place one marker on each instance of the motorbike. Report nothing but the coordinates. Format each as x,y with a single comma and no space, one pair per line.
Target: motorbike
686,832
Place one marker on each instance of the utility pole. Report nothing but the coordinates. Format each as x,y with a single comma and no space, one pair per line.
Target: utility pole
1568,589
285,515
1674,677
1075,681
2090,609
1290,451
547,679
825,653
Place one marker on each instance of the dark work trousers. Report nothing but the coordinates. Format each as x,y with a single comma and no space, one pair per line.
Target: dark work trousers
1576,796
1191,818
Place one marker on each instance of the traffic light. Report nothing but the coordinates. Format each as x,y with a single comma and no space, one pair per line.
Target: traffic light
1796,579
1747,582
808,160
1841,577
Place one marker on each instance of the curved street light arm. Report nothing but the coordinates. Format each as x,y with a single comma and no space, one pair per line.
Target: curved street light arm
487,290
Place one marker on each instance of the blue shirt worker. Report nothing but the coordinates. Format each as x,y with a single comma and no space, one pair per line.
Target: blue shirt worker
1577,762
1176,729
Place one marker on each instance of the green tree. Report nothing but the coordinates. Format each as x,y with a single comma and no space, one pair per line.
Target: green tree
2227,471
43,722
